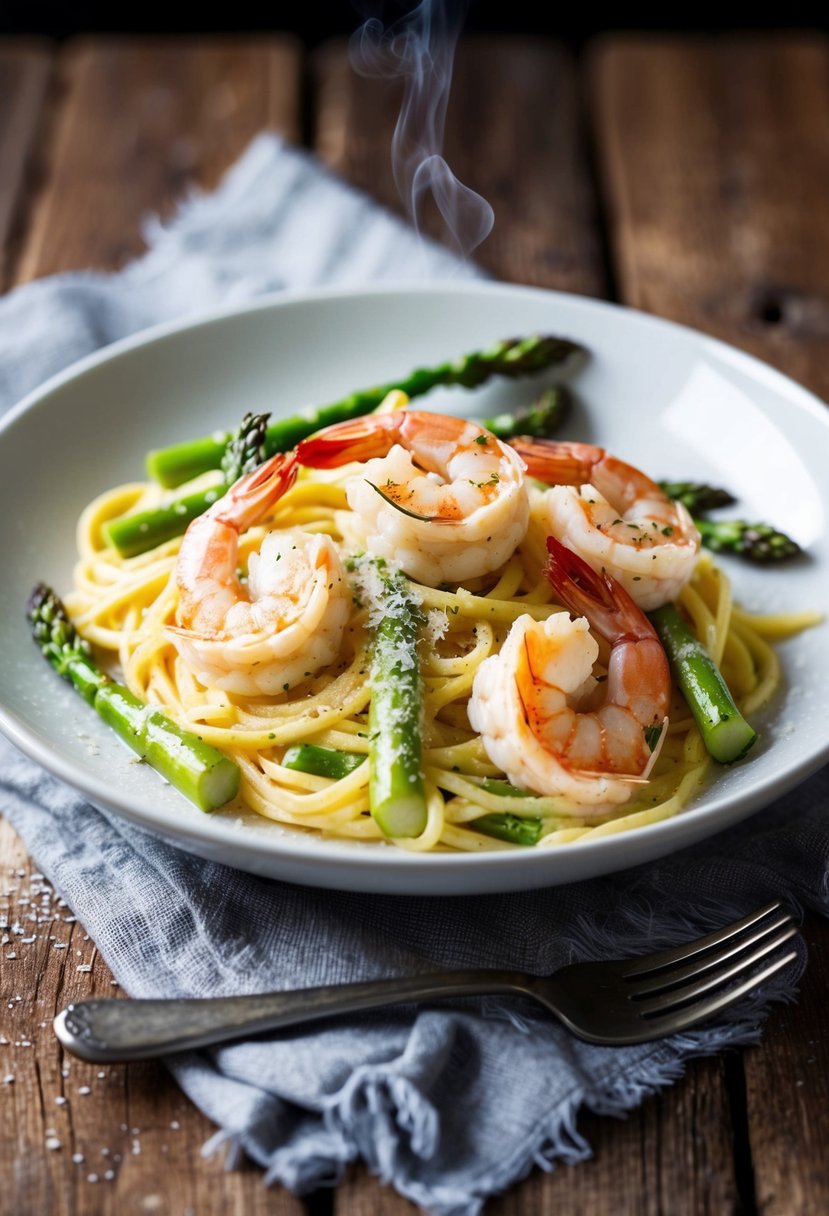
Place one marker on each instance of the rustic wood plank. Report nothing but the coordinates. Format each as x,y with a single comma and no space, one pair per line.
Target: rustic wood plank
142,122
80,1139
717,174
512,134
723,229
24,74
787,1096
673,1154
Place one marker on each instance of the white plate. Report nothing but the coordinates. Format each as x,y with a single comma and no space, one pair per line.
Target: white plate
661,396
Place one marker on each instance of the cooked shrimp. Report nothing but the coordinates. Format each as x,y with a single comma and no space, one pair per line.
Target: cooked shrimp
548,721
441,497
615,517
287,623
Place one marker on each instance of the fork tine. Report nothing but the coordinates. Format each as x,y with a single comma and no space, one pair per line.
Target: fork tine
680,954
703,1011
679,996
673,977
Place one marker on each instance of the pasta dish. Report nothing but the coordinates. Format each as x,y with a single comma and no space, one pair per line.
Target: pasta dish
407,630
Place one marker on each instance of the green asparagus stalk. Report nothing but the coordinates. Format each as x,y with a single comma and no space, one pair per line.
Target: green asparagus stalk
513,358
397,796
328,762
196,769
143,530
322,761
540,419
759,543
247,448
725,732
514,829
697,496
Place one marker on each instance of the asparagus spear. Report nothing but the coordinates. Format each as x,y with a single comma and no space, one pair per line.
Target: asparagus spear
513,358
397,797
171,466
196,769
697,496
757,542
143,530
247,448
725,732
513,828
540,419
328,762
321,761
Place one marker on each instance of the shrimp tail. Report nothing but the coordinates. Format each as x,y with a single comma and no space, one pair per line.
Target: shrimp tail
599,597
356,439
556,462
252,495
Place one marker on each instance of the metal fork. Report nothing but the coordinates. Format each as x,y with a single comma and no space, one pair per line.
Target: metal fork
616,1003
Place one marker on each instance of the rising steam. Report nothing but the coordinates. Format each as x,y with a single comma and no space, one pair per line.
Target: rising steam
419,49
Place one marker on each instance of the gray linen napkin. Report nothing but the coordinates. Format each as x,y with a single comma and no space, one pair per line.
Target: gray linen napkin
450,1105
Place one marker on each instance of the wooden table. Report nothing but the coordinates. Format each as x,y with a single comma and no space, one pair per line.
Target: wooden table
686,177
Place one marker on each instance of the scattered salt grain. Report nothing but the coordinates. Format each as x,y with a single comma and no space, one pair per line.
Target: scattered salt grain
175,1125
84,1089
77,1158
109,1175
92,1177
84,967
52,1143
60,1100
8,1079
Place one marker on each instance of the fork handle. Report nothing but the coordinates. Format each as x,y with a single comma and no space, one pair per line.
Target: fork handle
118,1030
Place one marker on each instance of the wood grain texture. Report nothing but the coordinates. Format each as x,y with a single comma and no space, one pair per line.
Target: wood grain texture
24,75
716,172
787,1095
80,1139
140,123
512,134
671,1155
